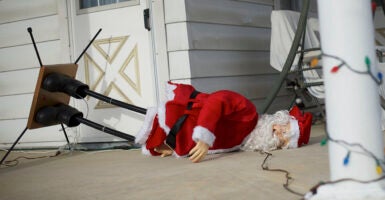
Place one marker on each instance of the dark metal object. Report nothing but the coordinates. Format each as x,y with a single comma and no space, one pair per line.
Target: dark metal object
34,45
13,145
89,44
146,16
115,102
106,129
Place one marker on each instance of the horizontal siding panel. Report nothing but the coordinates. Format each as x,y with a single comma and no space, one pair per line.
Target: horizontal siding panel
252,87
11,10
228,12
44,29
279,103
174,11
229,63
217,37
18,82
179,64
50,53
42,137
218,63
15,107
222,37
177,36
265,2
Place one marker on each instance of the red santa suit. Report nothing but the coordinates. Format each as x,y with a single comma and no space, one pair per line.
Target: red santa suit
222,119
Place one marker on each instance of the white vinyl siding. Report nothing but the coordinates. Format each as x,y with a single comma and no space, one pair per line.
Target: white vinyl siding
223,44
19,65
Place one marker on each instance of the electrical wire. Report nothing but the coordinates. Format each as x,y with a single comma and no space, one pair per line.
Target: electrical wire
378,80
364,151
314,189
14,162
31,152
87,106
287,175
345,144
77,135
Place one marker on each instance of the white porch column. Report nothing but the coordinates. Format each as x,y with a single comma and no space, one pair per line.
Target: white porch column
352,99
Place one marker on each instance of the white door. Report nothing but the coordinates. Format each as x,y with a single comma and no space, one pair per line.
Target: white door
118,64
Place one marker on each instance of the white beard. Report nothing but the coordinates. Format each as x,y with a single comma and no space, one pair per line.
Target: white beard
268,141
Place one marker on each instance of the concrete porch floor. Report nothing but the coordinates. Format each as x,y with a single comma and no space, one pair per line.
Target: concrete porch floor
127,174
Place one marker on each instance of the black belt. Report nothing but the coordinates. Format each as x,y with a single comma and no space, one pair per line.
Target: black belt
171,137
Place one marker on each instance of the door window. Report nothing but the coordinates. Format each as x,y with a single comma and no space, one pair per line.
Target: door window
88,6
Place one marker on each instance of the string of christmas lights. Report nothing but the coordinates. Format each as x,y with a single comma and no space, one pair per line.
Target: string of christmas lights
380,163
378,80
346,160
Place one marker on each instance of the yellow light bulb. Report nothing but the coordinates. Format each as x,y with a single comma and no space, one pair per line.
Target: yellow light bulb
314,62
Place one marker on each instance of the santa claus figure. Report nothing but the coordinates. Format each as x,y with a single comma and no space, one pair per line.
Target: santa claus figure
281,130
194,124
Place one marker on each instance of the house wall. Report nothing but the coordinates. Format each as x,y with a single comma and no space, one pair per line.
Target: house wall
216,44
222,44
19,65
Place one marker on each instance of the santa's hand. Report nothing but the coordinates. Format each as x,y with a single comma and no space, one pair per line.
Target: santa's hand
166,153
163,150
199,151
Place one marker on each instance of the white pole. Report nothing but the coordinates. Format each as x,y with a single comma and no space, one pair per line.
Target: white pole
351,99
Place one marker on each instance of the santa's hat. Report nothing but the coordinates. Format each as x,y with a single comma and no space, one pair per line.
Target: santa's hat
304,123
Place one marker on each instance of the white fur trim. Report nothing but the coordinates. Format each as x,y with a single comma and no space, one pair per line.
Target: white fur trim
202,133
214,151
170,91
178,156
144,132
294,134
162,117
145,151
162,107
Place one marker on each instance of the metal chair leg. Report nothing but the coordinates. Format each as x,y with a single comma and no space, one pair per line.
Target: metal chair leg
65,134
13,146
